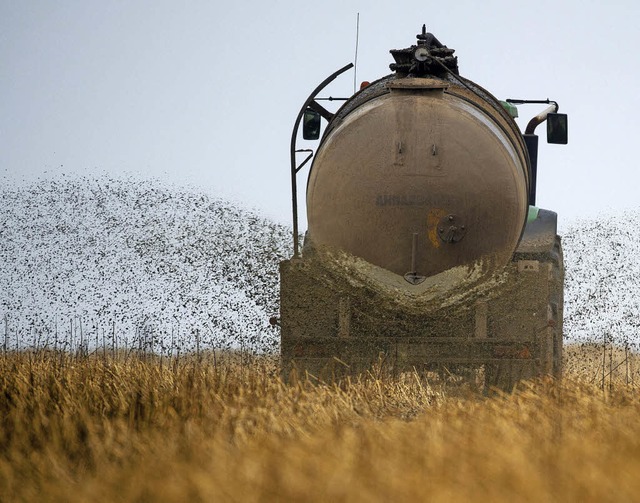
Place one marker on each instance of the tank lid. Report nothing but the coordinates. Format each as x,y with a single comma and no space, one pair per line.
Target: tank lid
428,57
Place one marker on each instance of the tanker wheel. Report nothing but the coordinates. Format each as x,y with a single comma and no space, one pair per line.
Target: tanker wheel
505,376
557,305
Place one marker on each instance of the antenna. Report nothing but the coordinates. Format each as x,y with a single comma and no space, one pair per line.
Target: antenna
355,62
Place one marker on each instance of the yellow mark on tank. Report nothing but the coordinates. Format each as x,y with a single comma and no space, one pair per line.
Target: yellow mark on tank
433,217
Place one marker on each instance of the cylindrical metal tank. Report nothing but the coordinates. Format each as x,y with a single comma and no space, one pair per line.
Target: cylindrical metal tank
419,175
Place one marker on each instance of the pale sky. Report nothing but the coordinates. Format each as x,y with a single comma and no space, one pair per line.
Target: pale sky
205,93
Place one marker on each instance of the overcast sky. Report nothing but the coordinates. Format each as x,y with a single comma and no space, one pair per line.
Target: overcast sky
206,92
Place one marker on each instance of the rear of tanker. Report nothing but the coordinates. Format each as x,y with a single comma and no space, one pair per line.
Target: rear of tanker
425,250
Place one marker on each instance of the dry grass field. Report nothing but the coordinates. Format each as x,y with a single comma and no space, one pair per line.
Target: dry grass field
116,428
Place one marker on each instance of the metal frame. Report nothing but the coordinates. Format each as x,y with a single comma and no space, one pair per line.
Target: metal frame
294,168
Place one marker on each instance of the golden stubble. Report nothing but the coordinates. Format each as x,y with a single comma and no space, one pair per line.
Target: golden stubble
132,428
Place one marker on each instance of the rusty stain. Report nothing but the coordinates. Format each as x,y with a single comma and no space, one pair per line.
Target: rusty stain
433,217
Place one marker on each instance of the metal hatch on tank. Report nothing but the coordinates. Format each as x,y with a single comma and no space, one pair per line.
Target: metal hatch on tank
424,246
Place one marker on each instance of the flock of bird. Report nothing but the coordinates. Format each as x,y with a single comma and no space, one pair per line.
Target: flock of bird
132,262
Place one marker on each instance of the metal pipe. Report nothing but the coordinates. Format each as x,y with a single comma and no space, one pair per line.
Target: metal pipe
541,117
414,252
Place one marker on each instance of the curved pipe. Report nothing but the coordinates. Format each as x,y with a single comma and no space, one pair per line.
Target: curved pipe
541,117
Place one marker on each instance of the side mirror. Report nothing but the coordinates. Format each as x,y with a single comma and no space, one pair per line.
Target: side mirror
557,131
311,125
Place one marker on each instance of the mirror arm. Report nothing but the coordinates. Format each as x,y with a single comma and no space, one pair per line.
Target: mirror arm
541,117
317,107
307,159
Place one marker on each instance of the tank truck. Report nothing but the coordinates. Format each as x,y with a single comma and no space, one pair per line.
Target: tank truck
425,248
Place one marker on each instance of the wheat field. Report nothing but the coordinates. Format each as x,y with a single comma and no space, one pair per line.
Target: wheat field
207,427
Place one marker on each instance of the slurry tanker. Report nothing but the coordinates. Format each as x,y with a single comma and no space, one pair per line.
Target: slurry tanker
425,248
